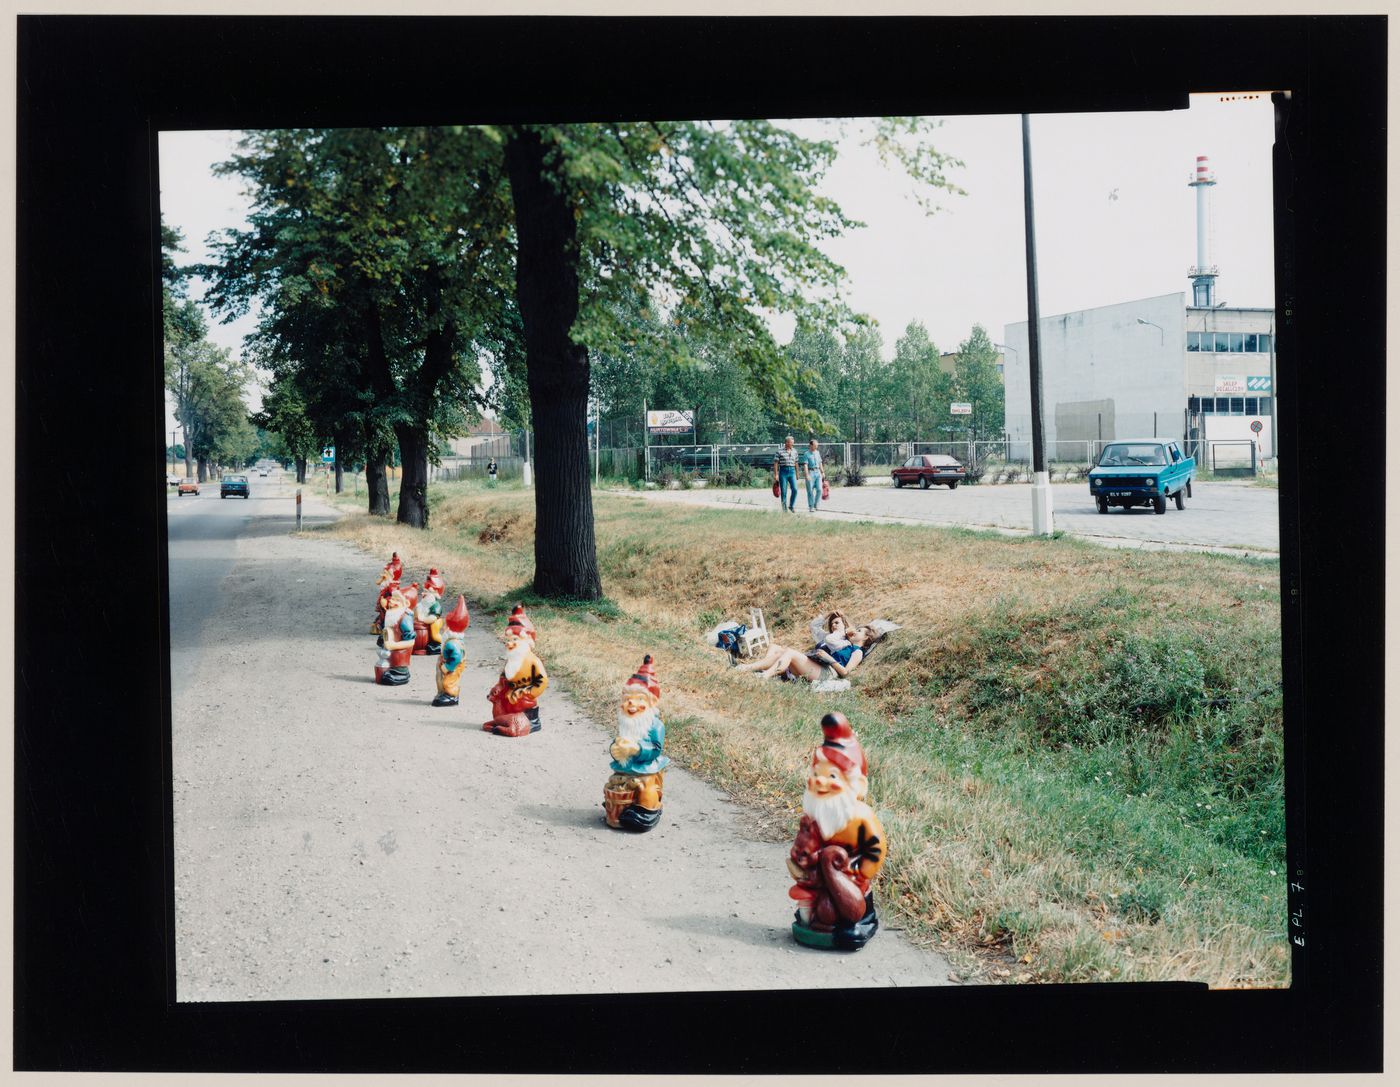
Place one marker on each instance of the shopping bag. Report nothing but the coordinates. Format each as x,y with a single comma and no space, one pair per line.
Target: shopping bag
826,489
776,493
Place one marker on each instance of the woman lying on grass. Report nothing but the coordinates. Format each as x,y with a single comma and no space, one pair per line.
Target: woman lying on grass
819,665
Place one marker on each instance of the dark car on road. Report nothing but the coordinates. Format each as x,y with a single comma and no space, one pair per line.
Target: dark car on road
1141,472
233,485
929,468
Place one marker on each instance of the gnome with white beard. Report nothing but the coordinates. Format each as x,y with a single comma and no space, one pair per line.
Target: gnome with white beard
840,846
632,795
514,698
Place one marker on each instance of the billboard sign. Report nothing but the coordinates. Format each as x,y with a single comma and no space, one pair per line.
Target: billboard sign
961,409
670,422
1261,384
1229,385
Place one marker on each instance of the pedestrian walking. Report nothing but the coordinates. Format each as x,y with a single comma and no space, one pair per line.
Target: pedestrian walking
491,471
811,464
785,474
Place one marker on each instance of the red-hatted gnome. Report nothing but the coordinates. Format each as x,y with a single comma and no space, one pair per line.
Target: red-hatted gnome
517,615
453,661
427,616
840,846
395,641
514,698
632,795
388,581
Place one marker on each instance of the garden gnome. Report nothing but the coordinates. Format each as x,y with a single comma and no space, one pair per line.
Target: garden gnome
434,581
454,655
517,615
632,795
427,612
388,582
395,641
840,846
514,698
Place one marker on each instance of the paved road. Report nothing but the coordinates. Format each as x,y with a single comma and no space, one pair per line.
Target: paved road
1233,517
334,838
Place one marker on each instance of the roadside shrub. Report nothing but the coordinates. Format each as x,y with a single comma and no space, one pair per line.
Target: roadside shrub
853,476
975,472
1010,474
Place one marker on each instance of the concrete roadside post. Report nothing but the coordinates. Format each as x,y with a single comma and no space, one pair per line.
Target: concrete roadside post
1042,504
298,509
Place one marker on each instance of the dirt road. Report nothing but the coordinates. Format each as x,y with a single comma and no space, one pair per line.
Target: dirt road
334,838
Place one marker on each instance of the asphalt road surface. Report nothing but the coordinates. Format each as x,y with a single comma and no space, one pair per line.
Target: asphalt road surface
334,838
1236,518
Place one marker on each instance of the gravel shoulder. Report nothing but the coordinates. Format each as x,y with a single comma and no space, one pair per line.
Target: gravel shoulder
335,838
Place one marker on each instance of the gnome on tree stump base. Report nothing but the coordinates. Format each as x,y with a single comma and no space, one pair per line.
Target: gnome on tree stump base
632,795
515,697
395,641
840,846
453,661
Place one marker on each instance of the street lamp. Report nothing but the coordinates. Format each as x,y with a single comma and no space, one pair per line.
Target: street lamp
1161,335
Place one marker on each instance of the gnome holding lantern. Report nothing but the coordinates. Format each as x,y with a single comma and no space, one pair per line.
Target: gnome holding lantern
632,795
840,846
454,655
395,640
515,697
427,614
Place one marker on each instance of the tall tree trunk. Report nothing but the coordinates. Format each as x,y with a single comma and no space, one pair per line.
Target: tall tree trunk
377,483
301,469
413,485
339,469
546,288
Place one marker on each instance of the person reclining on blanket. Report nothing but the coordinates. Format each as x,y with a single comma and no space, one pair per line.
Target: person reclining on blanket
818,665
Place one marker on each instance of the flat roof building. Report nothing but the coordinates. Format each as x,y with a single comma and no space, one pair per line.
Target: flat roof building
1149,367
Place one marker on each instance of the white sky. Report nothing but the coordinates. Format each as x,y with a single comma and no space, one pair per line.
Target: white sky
966,264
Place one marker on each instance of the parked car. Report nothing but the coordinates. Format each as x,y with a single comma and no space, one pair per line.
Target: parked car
756,456
1141,472
188,485
929,468
233,485
173,480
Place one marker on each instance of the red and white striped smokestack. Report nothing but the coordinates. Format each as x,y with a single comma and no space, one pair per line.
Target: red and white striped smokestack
1202,182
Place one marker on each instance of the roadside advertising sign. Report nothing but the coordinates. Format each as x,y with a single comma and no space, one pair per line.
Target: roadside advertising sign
670,422
961,409
1229,384
1259,384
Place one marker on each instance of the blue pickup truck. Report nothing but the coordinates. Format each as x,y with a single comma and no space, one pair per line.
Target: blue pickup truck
1142,472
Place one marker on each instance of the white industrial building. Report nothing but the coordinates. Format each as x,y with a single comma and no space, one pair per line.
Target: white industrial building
1164,366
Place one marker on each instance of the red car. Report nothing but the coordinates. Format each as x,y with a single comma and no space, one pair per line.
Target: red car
927,469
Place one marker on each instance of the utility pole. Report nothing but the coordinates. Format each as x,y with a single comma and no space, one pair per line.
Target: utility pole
1042,504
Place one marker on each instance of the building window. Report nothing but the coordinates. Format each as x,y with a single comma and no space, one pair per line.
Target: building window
1193,341
1251,405
1207,405
1236,405
1264,339
1265,405
1236,341
1251,343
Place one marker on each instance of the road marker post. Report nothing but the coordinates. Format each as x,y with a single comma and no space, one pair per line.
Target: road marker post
298,509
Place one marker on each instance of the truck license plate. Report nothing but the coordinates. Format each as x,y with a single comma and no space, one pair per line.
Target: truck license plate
1122,494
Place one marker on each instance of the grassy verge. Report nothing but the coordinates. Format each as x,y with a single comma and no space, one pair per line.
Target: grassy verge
1077,751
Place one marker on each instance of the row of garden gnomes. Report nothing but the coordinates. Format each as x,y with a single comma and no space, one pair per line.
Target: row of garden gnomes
515,697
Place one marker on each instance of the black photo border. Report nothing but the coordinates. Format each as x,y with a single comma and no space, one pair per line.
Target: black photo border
93,919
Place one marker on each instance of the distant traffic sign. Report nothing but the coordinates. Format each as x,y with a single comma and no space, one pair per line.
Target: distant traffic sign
1256,426
328,455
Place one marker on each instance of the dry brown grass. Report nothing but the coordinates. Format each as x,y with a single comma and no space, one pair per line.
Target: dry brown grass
972,870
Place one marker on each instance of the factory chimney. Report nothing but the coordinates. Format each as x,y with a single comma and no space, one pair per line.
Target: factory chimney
1203,274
